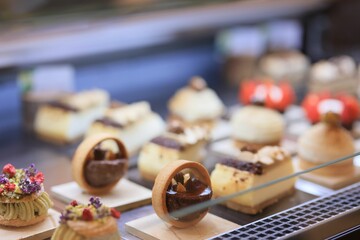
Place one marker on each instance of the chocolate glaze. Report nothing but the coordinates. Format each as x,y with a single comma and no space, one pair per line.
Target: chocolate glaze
63,106
255,168
196,192
99,173
109,122
167,142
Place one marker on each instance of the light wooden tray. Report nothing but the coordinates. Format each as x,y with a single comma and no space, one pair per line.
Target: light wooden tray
153,228
36,232
126,195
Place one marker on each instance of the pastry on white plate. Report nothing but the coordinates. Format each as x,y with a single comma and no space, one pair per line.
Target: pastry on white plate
256,126
135,124
196,104
69,118
249,170
177,143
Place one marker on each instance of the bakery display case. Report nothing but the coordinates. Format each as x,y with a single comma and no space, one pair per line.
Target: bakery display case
182,120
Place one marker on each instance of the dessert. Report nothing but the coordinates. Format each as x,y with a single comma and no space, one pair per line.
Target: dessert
326,141
276,96
181,184
135,124
177,143
91,221
285,65
249,170
255,126
196,104
99,163
345,105
338,74
67,119
23,201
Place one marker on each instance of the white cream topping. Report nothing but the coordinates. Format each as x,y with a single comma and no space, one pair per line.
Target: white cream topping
129,113
257,124
87,99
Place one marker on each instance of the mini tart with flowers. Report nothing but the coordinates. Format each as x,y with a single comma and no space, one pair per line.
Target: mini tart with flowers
23,201
181,184
99,163
91,221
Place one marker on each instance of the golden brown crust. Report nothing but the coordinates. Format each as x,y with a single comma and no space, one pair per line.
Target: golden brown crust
22,223
162,182
80,158
255,146
258,208
28,198
94,228
344,168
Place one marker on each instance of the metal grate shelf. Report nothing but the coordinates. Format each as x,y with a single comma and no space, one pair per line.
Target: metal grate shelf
300,218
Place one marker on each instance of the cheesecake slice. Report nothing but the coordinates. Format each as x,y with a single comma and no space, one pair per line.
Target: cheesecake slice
135,124
253,169
68,119
177,143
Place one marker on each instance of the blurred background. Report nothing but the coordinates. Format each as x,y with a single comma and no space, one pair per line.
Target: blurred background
146,49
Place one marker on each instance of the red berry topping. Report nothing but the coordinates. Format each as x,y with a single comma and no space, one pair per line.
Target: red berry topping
115,213
10,187
9,169
86,215
1,190
39,177
74,203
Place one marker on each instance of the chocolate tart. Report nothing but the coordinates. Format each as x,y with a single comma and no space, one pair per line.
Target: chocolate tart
169,196
98,170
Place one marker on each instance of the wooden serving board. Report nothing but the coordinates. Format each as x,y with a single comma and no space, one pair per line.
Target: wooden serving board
153,228
36,232
126,195
226,147
332,182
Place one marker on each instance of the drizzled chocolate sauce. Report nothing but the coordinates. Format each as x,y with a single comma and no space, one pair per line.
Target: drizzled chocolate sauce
255,168
196,192
104,168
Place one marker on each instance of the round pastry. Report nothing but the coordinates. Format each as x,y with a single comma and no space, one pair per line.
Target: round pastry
196,104
91,221
326,141
23,201
181,184
256,126
99,163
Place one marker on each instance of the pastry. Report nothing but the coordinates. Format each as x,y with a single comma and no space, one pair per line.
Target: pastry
196,104
69,118
347,106
337,74
181,184
250,170
23,201
177,143
99,163
277,96
326,141
135,124
285,65
256,126
85,222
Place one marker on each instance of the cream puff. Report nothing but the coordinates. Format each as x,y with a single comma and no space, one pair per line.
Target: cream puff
90,221
249,170
69,118
135,124
326,141
196,104
23,201
256,126
177,143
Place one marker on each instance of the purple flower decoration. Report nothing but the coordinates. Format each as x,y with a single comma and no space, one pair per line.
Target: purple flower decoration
31,170
3,179
95,201
29,187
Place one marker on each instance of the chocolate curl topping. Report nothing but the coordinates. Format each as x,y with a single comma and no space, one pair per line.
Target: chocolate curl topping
331,118
197,83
